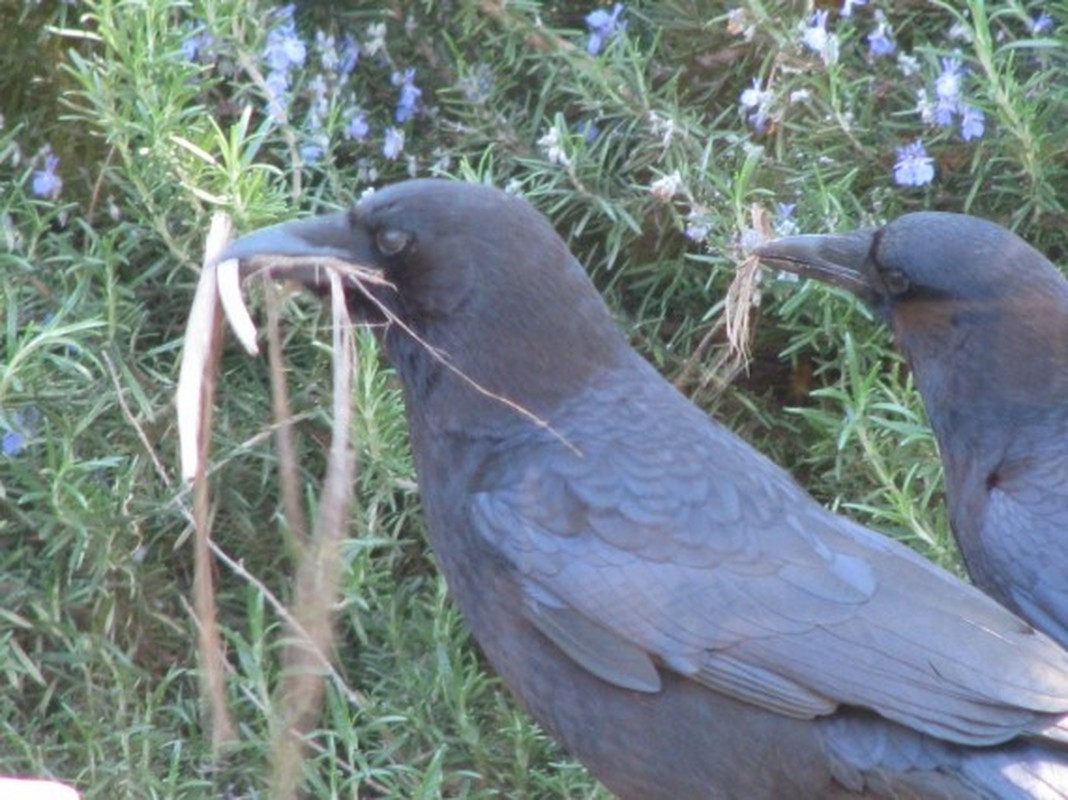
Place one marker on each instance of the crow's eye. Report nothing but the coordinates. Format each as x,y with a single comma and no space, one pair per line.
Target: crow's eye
896,281
391,241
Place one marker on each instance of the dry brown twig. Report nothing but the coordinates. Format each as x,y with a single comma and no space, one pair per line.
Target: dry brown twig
743,295
195,402
292,501
319,571
735,322
309,632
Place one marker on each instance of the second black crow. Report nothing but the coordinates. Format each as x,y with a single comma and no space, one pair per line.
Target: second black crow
982,319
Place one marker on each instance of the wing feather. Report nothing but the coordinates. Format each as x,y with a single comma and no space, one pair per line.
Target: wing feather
718,566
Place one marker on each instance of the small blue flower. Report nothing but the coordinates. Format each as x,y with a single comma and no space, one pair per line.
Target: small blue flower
46,183
320,101
197,45
284,48
1041,23
311,152
13,443
283,52
913,166
349,56
947,92
603,26
23,427
972,122
278,82
393,145
696,232
947,84
697,224
816,38
950,104
587,130
408,102
278,95
880,40
357,127
758,101
785,224
943,112
328,55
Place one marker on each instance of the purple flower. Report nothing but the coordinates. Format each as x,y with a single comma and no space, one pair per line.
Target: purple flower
408,102
46,183
23,427
587,130
196,45
340,62
603,26
1041,23
696,232
913,166
972,122
393,145
947,93
947,84
311,152
880,41
816,38
327,47
785,225
357,127
320,101
13,443
284,48
284,51
943,112
949,103
697,226
278,95
349,56
758,102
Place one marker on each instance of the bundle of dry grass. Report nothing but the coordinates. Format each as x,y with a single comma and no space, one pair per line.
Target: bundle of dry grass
309,636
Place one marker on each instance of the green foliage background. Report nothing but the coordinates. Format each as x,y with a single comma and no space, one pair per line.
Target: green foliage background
96,637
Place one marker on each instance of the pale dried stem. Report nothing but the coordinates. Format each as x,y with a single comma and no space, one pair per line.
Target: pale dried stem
318,574
288,473
195,405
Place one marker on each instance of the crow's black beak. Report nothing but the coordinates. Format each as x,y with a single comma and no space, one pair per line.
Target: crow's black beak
299,250
840,259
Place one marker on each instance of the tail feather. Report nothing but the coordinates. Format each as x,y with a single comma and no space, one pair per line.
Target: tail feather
1023,770
1056,731
873,758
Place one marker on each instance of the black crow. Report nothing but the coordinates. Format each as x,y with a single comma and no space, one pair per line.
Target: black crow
667,602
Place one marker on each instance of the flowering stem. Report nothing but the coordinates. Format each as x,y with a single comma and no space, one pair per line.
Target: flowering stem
1003,89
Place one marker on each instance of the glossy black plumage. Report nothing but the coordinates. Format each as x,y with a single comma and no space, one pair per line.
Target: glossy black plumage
667,602
982,318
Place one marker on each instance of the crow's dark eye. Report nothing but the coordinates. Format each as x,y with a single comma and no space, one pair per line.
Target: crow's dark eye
391,241
896,281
